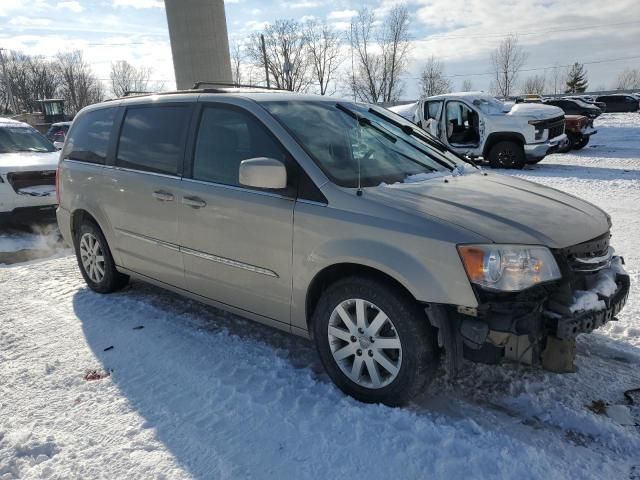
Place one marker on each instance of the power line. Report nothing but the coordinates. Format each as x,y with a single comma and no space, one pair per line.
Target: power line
541,68
532,32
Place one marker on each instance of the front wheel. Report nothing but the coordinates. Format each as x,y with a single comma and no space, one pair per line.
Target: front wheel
507,154
374,341
582,142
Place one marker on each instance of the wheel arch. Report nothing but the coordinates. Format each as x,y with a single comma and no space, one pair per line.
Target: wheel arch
338,271
496,137
81,214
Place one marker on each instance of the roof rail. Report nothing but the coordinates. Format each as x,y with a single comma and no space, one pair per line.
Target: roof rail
128,93
198,85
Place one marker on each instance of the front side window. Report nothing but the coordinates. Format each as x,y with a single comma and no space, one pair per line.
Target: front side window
152,138
226,136
23,139
352,142
89,138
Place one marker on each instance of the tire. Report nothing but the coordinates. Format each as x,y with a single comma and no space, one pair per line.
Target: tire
581,143
412,356
507,154
98,271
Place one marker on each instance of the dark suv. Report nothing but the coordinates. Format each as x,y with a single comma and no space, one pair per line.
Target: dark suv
620,103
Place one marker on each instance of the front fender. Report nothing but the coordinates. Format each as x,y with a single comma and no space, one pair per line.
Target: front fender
429,269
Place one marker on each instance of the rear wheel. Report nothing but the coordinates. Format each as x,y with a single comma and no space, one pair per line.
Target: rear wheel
95,260
375,342
507,154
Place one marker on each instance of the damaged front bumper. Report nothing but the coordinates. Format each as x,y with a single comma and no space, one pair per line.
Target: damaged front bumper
532,326
566,327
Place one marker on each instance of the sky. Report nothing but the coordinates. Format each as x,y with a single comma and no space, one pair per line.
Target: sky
462,33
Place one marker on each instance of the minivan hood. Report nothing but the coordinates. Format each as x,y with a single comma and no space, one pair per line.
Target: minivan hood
501,208
535,111
23,161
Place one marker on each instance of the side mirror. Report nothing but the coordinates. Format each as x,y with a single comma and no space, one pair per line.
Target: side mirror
263,172
58,145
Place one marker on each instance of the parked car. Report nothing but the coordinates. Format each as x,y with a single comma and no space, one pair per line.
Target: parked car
589,99
478,125
57,133
28,163
338,221
579,129
575,107
620,102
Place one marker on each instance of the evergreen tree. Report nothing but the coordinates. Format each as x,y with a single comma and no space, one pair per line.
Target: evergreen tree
577,79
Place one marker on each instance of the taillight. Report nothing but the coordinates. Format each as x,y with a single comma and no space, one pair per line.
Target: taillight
58,184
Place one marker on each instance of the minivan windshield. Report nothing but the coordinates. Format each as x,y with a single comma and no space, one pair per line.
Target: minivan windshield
22,139
363,145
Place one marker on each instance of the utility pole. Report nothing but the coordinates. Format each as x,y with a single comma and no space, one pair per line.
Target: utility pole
7,83
264,56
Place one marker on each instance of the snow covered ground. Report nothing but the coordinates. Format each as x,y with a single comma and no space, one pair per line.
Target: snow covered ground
198,393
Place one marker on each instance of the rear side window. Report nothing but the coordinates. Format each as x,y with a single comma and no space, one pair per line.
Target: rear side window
152,138
227,136
89,139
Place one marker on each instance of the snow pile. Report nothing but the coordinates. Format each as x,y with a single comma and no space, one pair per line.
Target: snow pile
586,300
38,191
458,170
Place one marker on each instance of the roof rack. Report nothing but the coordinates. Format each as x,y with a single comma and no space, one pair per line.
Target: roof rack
128,93
198,85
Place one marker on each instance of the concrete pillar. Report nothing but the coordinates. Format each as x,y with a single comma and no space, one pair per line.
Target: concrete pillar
199,41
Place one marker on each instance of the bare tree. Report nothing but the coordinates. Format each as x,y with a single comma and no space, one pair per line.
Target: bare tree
325,55
31,79
78,85
380,54
534,84
432,79
507,60
557,80
467,86
367,77
286,55
127,78
628,79
236,62
395,49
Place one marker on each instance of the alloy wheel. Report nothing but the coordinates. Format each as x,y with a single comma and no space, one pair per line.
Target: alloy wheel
364,343
92,257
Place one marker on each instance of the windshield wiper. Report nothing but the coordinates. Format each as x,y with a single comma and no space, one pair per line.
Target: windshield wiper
364,121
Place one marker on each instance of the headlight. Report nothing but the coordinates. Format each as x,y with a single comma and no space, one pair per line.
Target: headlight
508,268
539,127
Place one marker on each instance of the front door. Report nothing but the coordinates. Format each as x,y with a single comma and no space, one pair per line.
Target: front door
236,241
144,190
462,127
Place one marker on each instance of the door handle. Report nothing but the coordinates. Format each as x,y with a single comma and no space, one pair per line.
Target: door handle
194,202
162,196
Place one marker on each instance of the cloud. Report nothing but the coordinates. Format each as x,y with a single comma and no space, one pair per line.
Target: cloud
27,22
72,5
301,4
341,14
139,4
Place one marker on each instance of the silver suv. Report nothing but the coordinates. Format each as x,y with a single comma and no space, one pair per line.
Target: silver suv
338,221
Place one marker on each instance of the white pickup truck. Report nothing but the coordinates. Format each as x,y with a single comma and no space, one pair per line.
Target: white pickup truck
478,125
